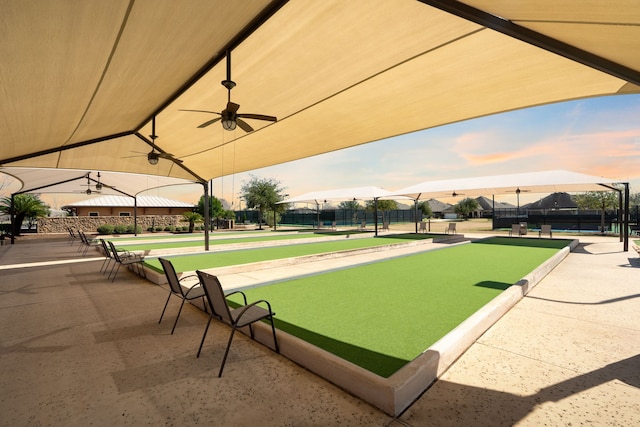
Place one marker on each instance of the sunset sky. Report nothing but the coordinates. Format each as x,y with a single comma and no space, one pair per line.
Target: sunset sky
599,136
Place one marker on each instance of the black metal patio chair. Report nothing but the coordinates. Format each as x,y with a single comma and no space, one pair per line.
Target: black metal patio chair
185,293
239,317
126,258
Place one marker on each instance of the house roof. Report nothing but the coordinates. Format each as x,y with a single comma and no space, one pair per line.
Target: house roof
123,201
81,81
555,200
488,204
437,205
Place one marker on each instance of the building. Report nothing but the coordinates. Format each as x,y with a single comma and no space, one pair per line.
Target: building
124,206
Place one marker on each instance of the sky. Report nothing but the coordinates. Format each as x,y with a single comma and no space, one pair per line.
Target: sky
596,136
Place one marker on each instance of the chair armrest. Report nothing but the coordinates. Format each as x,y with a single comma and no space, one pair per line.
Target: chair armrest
244,297
247,307
187,277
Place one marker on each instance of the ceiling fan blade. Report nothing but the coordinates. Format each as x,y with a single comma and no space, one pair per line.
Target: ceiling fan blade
202,111
205,124
258,117
232,107
169,157
244,125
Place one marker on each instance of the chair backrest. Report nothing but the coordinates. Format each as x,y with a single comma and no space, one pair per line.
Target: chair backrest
423,225
452,226
105,248
114,252
172,276
515,228
215,295
545,228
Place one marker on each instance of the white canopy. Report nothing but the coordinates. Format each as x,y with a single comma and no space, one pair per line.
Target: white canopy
534,182
356,193
81,80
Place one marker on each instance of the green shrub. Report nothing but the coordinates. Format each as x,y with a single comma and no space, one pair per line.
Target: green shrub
130,229
150,229
185,228
105,229
159,228
120,229
169,228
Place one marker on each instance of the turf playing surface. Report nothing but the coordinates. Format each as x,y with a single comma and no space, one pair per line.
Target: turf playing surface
381,316
221,259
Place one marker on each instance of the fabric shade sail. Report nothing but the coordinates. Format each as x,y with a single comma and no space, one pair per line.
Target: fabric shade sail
83,80
534,182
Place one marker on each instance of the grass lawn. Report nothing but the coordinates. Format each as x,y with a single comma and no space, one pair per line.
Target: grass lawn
221,259
382,315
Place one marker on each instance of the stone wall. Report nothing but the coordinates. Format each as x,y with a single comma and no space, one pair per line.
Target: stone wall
90,224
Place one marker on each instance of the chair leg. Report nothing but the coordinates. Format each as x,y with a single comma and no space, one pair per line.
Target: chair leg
177,317
116,272
204,336
273,328
224,359
165,307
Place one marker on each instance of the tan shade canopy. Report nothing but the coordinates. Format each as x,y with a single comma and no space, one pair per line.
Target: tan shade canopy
533,182
52,181
82,80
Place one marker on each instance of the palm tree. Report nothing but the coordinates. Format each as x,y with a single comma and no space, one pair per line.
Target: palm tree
25,206
192,218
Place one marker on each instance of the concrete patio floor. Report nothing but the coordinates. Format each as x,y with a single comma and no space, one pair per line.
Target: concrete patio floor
77,349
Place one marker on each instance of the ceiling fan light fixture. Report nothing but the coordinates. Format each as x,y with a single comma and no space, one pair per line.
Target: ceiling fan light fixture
153,158
99,186
228,124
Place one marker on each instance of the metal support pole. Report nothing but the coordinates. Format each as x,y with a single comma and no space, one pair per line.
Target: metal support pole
13,219
626,217
207,215
135,216
375,215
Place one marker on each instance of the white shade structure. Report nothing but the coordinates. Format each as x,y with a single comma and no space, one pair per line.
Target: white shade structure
355,193
534,182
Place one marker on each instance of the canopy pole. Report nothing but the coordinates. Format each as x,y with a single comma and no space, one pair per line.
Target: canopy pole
13,218
135,216
207,218
415,208
626,217
375,214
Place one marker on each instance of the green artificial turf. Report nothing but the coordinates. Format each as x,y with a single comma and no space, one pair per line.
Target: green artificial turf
221,259
214,242
382,315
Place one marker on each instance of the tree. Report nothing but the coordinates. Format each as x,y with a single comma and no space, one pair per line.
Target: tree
26,206
465,207
349,204
599,200
383,206
192,218
634,199
215,207
263,194
425,209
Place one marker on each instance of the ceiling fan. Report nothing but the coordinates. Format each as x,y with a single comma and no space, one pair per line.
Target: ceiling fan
98,186
154,156
230,116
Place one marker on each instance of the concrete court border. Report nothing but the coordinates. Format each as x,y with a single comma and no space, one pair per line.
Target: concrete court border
395,394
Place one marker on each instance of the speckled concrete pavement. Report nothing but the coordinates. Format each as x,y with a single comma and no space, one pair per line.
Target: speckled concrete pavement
76,349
